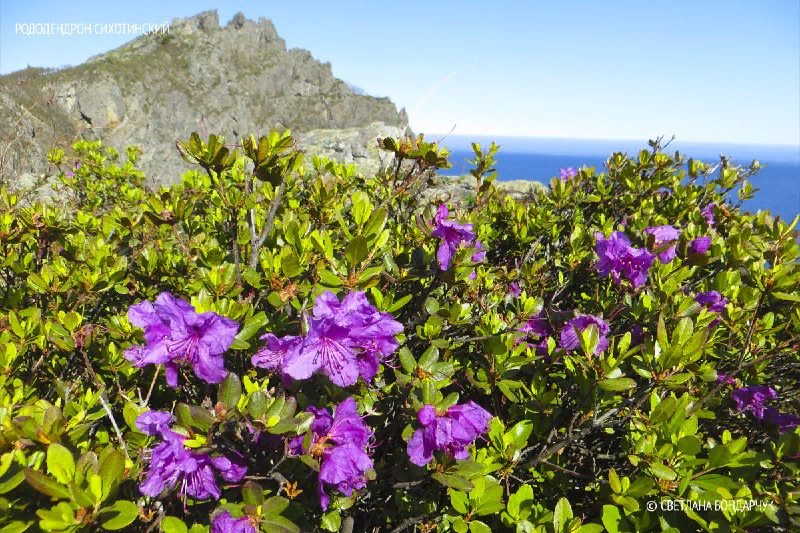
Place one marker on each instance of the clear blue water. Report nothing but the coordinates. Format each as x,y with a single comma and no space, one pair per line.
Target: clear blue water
540,160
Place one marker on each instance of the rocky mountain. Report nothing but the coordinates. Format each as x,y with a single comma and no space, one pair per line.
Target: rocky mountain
231,80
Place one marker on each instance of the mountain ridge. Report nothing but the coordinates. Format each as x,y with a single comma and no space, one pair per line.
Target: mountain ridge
230,80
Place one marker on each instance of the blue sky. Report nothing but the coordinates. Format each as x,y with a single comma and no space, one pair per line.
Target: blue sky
710,71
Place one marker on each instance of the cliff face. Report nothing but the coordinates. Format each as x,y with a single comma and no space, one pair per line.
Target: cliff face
231,80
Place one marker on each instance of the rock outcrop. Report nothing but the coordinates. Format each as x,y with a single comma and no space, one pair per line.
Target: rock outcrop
159,88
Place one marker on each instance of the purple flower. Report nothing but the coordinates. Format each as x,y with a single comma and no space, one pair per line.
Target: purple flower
617,256
273,353
784,421
539,326
700,245
515,289
664,235
453,235
339,442
451,431
172,464
726,379
753,398
343,467
637,336
177,335
225,523
569,173
328,347
713,301
708,213
345,339
569,338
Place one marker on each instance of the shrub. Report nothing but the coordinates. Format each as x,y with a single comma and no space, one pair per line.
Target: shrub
338,357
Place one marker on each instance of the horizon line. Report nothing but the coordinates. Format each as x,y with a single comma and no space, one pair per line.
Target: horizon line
607,139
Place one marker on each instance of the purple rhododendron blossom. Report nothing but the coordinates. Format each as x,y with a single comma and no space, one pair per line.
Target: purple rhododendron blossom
617,257
700,245
569,338
451,431
637,336
753,398
453,235
173,464
327,347
784,421
515,289
569,173
726,379
177,335
708,213
225,523
664,235
339,442
539,326
273,353
345,339
712,300
343,467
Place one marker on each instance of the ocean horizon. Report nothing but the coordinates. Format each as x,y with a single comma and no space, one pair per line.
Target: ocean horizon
540,159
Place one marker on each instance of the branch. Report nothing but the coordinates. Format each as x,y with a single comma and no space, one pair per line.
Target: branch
270,219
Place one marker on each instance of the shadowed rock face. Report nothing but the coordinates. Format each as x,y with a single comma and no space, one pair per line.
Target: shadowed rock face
231,80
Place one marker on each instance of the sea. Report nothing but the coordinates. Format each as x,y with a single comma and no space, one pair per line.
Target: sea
540,159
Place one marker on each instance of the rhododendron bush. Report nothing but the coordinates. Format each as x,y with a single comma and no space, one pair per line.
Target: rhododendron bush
283,345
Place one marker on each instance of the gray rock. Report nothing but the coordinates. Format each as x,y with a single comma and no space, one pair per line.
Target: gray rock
159,88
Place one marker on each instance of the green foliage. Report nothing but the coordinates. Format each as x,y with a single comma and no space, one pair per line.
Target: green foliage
579,441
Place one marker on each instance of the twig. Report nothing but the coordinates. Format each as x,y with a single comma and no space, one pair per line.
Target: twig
152,384
567,470
408,522
104,402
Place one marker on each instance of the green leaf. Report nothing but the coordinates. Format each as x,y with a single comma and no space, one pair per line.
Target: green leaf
786,296
661,332
329,278
252,493
356,250
663,410
662,471
613,480
428,392
617,384
16,327
454,481
121,514
60,463
376,222
614,521
290,265
331,521
278,524
258,404
230,390
690,445
112,467
682,332
172,524
459,501
399,303
45,485
476,526
274,506
17,526
429,358
562,514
